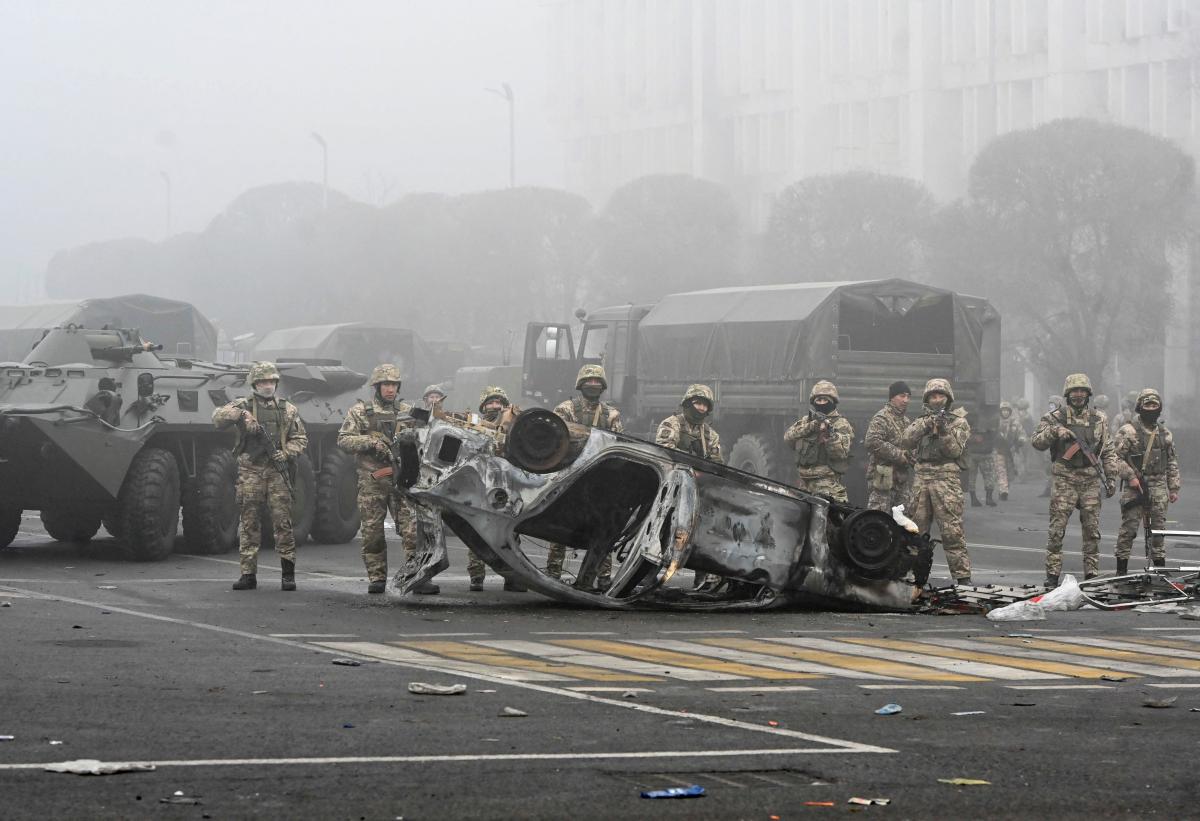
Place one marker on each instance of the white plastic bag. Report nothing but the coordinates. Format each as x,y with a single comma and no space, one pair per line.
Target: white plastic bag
1028,610
1067,596
899,518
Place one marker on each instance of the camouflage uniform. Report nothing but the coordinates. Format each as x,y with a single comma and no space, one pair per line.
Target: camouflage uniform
981,458
1010,441
822,447
889,465
259,482
592,414
369,425
696,438
1151,451
476,568
1025,423
1076,483
937,488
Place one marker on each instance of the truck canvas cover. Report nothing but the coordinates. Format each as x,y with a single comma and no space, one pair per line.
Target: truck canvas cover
356,345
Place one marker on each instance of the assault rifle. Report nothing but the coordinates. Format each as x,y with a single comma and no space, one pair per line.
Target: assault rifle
281,465
1079,446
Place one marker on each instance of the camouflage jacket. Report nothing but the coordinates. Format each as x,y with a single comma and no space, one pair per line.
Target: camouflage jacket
364,429
1130,446
1011,435
592,414
1046,437
291,426
884,440
675,430
817,456
938,454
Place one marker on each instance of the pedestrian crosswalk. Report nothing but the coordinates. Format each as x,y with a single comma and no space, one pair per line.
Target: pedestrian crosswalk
922,660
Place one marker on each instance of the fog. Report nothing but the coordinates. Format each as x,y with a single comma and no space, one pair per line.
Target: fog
101,98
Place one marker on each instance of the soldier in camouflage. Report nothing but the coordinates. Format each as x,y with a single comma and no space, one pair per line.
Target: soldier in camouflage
1070,433
938,438
260,417
822,439
588,410
1010,440
981,458
890,464
1025,423
433,396
493,403
1145,444
368,432
1127,412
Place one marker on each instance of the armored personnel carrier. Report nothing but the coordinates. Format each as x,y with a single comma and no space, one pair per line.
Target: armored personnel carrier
98,427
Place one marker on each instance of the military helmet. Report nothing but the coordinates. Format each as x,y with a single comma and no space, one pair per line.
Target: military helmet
260,371
591,372
1076,381
1101,401
385,373
699,392
1022,404
1145,395
823,388
1005,405
492,392
937,386
1130,398
433,389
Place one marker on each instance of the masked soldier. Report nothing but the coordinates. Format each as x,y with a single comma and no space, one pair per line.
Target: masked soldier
368,432
981,458
822,440
493,402
939,438
433,396
1010,440
587,409
1077,438
1146,446
688,429
889,465
270,435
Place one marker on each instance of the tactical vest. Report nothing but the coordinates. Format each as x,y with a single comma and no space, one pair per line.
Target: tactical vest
811,452
1155,464
690,442
929,451
273,418
1086,432
598,417
381,421
981,443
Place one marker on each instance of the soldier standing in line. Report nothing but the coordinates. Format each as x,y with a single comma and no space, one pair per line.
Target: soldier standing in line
368,431
1080,449
1010,439
889,465
493,402
588,410
981,458
822,440
270,435
1145,444
1025,422
939,438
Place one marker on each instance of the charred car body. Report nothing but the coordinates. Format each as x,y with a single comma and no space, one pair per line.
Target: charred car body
657,511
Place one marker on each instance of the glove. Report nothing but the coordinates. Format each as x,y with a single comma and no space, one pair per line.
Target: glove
1109,489
280,458
1173,498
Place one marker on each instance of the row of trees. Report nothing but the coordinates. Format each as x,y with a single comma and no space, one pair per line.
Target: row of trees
1068,228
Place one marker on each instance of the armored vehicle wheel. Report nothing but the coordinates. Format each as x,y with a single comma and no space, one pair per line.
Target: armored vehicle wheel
148,505
302,506
210,509
337,518
10,525
66,524
753,454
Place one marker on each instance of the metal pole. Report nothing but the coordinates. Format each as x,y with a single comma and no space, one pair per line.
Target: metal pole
324,170
505,91
167,179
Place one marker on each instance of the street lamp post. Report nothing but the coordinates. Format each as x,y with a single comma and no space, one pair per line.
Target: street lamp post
505,91
324,170
166,178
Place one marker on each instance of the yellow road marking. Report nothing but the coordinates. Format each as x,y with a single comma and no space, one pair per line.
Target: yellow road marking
490,656
1105,653
653,654
881,667
1055,667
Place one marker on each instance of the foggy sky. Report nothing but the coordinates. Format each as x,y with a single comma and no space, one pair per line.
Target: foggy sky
100,96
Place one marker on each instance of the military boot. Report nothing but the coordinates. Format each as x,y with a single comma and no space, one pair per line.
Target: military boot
288,582
476,585
1089,576
1051,582
964,581
511,586
975,500
990,501
248,581
427,589
377,586
1122,567
1004,495
1160,562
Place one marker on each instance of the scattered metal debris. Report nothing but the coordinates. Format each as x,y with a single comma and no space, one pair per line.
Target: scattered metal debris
92,766
867,802
971,713
1157,703
965,782
694,791
347,662
512,712
889,710
422,689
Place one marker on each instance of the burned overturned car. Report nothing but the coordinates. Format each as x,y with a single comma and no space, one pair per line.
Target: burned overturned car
536,480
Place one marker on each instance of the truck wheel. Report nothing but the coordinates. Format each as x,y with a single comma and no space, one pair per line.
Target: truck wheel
65,524
148,505
10,524
210,509
302,506
751,453
337,499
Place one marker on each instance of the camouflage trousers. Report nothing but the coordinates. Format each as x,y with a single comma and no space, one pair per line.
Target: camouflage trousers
1006,471
822,481
938,496
259,487
899,494
984,463
476,568
558,552
1131,519
376,498
1070,491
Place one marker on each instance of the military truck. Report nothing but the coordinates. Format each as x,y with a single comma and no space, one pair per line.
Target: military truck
761,348
359,347
96,427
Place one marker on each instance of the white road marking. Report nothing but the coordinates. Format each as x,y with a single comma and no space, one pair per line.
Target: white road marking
611,689
696,632
970,668
1112,644
572,633
574,655
404,655
787,688
314,635
1097,663
761,659
1171,630
910,687
1059,687
1175,686
438,635
832,744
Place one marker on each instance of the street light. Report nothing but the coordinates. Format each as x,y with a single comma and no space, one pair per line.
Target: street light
324,170
505,91
166,178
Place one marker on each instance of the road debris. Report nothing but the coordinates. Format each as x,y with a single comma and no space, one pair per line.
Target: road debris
970,713
92,766
422,689
261,693
347,662
965,782
106,587
694,791
7,737
1109,677
1160,703
867,802
179,798
629,694
819,804
888,710
5,604
512,712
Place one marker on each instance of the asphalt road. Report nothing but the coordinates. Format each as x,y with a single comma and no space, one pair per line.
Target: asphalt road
238,702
